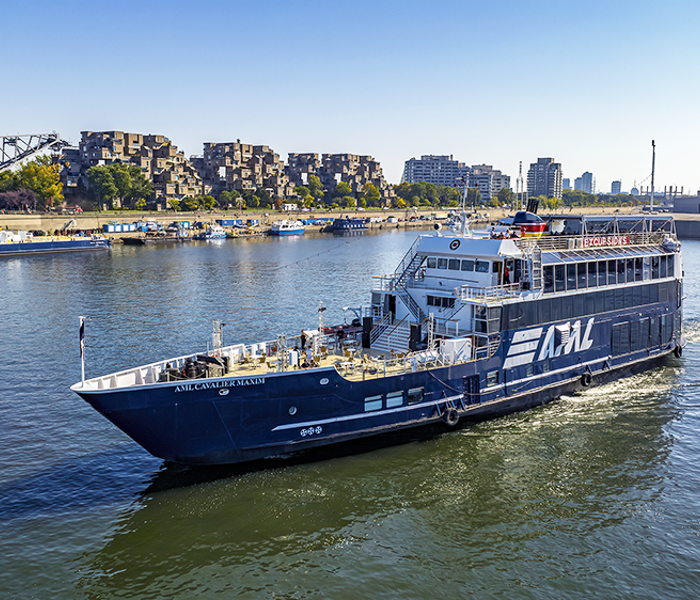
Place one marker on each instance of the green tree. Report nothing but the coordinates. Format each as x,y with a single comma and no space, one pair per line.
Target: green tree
371,194
141,204
102,184
42,177
208,202
315,187
506,196
342,188
174,204
191,203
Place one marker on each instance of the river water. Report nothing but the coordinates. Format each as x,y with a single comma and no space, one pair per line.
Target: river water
593,496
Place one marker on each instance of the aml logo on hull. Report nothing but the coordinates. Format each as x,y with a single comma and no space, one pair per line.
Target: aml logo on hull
559,339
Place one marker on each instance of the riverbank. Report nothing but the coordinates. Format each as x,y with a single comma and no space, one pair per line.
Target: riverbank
96,220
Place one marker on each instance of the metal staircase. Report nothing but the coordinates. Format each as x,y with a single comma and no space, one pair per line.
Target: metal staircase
403,274
533,275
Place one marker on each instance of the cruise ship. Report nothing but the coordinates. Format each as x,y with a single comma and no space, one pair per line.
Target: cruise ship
469,326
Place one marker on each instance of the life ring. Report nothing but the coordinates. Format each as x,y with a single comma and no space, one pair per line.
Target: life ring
451,417
273,349
586,379
678,351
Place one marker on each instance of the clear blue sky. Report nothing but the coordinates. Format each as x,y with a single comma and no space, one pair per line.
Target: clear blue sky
588,83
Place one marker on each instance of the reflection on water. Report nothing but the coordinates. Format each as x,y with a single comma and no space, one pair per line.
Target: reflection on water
592,496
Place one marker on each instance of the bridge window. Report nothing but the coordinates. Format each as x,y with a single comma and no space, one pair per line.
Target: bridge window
582,280
442,263
482,266
453,264
670,264
571,277
655,267
602,269
621,271
467,265
612,272
559,278
432,262
548,274
662,266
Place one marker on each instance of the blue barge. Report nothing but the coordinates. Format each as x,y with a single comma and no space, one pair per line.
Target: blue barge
24,244
468,327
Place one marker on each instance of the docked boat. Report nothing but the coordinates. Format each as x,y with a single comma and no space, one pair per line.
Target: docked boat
14,244
467,327
212,231
287,227
350,224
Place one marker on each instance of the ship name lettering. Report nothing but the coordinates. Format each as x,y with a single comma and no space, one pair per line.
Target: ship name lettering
212,385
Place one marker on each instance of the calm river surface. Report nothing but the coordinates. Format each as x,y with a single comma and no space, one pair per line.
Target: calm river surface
594,496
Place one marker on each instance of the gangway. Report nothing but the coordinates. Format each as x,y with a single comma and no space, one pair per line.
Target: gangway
16,148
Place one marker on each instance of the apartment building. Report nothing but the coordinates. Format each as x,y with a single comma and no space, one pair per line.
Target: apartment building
172,175
544,178
487,180
438,170
331,169
237,166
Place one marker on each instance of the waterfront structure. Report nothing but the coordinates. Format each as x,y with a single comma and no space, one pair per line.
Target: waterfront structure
616,187
239,167
173,177
435,169
544,178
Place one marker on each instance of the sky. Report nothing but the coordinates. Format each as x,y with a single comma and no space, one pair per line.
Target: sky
500,82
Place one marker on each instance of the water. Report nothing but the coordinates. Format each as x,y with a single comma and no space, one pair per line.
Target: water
594,496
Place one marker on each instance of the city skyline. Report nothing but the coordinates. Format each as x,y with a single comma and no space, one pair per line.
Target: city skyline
390,79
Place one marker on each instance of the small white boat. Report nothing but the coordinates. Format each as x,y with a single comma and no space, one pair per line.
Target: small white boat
212,232
286,227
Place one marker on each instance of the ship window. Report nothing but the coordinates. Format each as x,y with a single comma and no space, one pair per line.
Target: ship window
548,273
638,269
609,300
556,309
645,294
621,270
579,305
671,262
592,274
647,268
662,266
492,378
560,278
612,272
624,337
415,395
636,296
545,365
655,267
530,370
567,307
394,399
654,332
467,265
545,311
654,293
441,263
373,403
582,280
482,266
619,298
453,264
602,268
571,277
630,270
432,262
590,304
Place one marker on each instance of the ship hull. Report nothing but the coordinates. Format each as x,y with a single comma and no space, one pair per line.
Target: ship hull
50,247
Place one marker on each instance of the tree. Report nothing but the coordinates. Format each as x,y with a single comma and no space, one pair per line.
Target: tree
371,194
191,203
506,196
141,204
174,204
342,189
42,177
102,184
315,187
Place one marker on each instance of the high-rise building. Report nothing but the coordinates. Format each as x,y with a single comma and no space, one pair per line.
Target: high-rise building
566,183
487,180
616,187
544,178
438,170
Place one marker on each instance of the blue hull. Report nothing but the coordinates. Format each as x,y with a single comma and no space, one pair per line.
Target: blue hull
230,420
73,245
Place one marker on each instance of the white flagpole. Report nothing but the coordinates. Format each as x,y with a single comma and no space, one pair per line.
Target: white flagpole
82,346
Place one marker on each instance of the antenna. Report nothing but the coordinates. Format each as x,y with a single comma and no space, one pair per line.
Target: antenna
653,161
